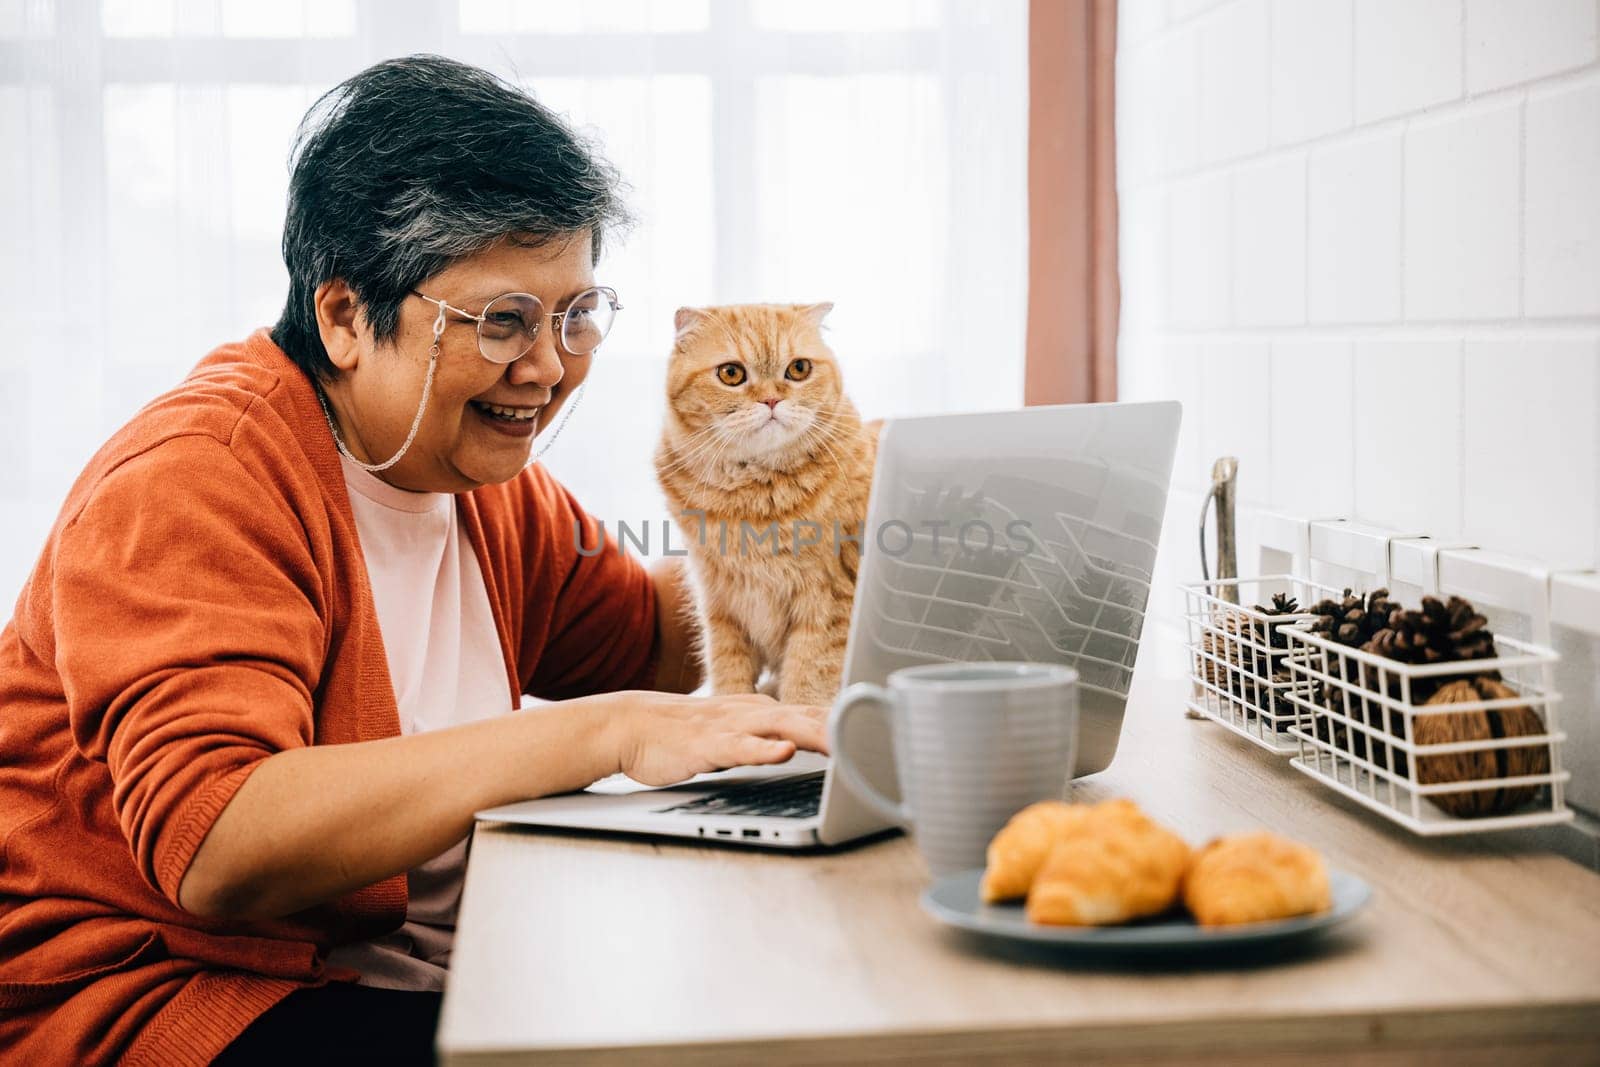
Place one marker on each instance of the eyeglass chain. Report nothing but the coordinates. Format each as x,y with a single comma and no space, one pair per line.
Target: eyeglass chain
416,423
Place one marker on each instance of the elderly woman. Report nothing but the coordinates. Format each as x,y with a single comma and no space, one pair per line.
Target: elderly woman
273,655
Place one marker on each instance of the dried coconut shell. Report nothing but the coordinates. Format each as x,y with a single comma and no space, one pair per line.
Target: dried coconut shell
1480,725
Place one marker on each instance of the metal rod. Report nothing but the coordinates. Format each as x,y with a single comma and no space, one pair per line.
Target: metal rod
1224,475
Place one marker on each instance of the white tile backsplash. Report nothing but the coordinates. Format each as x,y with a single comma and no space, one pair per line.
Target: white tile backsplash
1176,71
1145,263
1139,20
1191,468
1269,242
1233,81
1139,142
1532,476
1396,229
1563,201
1312,408
1354,207
1235,388
1511,41
1407,55
1188,9
1462,215
1199,284
1407,431
1312,87
1439,351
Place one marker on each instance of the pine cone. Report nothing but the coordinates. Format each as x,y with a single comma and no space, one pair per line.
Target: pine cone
1439,633
1282,604
1352,621
1507,762
1220,665
1273,670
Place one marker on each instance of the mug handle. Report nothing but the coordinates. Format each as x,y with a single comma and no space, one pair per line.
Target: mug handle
852,698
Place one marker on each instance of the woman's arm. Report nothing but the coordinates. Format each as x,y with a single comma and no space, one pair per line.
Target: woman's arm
312,824
678,665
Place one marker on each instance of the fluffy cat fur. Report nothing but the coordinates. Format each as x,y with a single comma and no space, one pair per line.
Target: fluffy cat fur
805,457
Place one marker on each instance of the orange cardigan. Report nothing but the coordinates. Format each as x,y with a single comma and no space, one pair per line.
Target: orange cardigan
202,603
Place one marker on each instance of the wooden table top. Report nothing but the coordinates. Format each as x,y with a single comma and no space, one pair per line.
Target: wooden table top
594,950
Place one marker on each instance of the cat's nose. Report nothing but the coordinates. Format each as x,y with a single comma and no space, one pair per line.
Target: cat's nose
772,402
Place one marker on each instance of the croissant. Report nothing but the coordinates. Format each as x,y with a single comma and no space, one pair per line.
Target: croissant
1020,847
1255,877
1115,865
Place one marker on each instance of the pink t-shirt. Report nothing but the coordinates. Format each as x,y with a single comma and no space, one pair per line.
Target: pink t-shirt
447,668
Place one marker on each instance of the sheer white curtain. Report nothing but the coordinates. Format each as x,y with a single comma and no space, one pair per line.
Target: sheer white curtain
872,154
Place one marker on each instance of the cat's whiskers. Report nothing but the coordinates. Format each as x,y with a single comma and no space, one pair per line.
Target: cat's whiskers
823,438
688,446
690,441
701,448
712,467
830,429
694,445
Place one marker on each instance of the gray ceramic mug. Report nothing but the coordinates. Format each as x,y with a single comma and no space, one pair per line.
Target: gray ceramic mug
974,743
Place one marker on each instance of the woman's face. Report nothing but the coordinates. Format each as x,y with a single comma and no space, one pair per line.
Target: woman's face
459,445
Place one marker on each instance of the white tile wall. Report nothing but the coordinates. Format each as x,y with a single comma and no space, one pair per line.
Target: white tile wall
1407,430
1184,9
1528,422
1313,91
1407,55
1510,41
1174,73
1143,261
1353,269
1410,337
1313,407
1269,242
1139,20
1562,205
1235,391
1461,218
1233,85
1199,284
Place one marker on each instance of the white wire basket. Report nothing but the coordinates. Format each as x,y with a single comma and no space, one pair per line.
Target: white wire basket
1238,655
1468,766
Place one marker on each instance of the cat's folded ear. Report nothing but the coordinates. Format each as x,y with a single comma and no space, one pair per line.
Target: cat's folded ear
815,313
686,319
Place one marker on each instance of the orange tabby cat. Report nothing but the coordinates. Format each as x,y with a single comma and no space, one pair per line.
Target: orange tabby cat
768,466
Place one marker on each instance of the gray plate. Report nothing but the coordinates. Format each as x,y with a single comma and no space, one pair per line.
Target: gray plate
954,900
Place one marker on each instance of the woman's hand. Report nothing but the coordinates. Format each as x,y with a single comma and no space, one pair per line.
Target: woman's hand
663,738
311,824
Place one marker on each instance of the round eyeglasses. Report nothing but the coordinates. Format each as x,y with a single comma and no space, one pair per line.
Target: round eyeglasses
510,324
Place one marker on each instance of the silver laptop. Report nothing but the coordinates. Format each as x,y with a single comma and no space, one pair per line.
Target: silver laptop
1017,535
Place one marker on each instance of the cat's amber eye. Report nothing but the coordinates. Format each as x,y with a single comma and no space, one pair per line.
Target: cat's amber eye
799,370
730,374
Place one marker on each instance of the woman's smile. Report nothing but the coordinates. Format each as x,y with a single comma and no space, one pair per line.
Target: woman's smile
512,421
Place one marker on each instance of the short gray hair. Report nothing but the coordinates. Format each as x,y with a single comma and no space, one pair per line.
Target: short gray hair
413,164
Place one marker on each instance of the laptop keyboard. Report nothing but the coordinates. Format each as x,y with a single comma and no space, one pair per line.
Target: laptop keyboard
799,797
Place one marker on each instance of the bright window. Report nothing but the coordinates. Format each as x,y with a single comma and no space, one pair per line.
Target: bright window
872,154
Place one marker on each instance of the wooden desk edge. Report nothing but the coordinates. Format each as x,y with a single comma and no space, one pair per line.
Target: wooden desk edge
1534,1033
